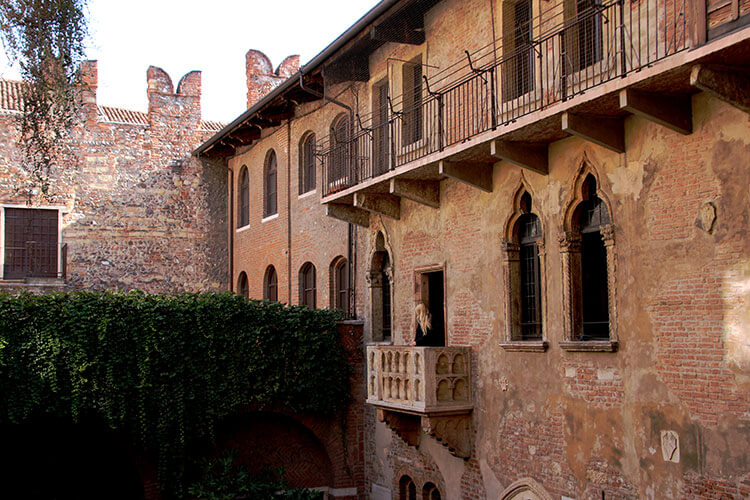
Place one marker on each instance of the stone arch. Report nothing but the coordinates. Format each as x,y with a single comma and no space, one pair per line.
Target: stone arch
510,223
380,280
269,440
578,195
421,479
532,489
600,219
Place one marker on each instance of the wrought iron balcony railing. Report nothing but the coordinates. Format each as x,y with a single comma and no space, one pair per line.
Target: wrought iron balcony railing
557,57
420,380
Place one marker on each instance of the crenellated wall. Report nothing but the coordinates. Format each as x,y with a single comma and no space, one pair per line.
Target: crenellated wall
138,211
261,77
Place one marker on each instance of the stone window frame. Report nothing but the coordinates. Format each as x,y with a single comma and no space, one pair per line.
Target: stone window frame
270,289
420,478
243,197
570,255
375,277
270,180
307,177
511,279
419,272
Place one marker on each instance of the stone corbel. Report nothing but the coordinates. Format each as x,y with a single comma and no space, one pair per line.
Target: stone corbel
404,425
454,432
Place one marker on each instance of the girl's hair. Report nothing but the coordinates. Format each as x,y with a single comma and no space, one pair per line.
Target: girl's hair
423,317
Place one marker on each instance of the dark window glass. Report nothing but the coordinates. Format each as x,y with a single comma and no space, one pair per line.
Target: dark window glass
342,285
589,32
270,285
307,164
307,286
594,288
430,492
31,245
412,81
269,206
243,218
529,233
242,286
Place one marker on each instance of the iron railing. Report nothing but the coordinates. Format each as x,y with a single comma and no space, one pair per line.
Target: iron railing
565,56
35,260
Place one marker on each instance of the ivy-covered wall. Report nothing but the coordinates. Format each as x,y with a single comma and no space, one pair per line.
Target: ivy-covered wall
165,369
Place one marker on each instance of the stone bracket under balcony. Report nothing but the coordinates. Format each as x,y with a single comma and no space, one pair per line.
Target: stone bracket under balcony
423,390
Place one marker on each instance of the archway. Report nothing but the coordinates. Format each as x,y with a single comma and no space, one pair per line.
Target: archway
269,441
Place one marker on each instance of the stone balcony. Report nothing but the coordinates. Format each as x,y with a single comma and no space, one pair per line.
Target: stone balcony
423,389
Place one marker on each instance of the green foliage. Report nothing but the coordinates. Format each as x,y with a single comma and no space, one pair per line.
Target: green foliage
223,479
46,38
165,369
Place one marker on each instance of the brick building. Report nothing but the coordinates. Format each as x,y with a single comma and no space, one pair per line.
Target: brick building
128,209
564,185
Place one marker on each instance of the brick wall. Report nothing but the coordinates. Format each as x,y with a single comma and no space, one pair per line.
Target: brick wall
137,210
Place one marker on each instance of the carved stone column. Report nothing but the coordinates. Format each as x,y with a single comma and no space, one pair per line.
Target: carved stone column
570,253
511,274
608,237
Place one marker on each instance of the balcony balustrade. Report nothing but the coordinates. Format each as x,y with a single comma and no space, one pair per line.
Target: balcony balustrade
427,388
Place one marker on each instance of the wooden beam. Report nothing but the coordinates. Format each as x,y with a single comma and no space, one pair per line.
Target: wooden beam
399,32
424,192
606,131
524,154
672,112
246,135
220,150
348,213
732,87
698,26
381,204
478,175
347,69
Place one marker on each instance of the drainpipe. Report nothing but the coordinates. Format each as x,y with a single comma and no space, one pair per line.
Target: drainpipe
289,205
351,235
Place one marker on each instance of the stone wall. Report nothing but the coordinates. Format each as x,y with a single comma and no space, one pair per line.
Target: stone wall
138,211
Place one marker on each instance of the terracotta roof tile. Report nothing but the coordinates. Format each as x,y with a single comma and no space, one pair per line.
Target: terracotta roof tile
10,95
212,126
119,115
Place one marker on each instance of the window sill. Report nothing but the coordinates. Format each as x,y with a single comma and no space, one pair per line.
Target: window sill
270,217
242,229
525,345
306,194
589,345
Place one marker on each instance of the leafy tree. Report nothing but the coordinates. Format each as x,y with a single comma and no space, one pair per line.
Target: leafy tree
46,38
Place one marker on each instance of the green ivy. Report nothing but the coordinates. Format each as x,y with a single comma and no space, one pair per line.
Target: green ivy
165,369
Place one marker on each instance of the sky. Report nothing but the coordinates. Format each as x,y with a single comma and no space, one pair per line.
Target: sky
207,35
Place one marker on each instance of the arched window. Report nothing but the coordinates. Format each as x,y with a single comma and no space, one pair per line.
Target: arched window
338,169
407,490
269,185
242,287
588,259
307,286
524,277
340,284
243,200
592,215
270,285
307,163
528,234
430,492
379,279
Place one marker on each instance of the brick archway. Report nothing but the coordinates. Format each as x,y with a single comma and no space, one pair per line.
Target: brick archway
268,441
